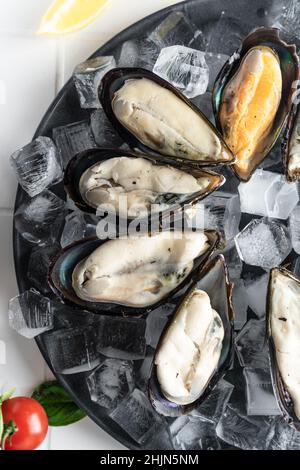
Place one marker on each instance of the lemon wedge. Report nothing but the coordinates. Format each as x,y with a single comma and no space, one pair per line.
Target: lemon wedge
67,16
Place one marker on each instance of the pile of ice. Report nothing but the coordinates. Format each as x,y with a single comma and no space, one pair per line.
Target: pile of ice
115,355
259,221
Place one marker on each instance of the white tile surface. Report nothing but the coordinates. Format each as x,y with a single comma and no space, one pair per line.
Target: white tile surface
31,70
21,15
84,435
27,74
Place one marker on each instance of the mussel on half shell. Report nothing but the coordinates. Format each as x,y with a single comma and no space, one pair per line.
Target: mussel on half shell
283,331
138,272
196,347
153,116
133,185
291,145
253,95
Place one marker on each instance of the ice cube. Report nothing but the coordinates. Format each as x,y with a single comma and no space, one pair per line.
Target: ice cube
73,350
69,317
158,439
240,304
257,293
104,133
233,262
29,314
283,436
144,371
294,224
282,199
289,19
39,219
156,322
176,29
192,434
72,139
138,53
263,243
244,432
37,166
274,158
296,267
208,438
38,267
215,62
251,345
185,68
110,382
122,338
87,77
219,211
252,194
136,416
268,194
176,426
211,408
259,390
203,102
76,228
230,28
232,214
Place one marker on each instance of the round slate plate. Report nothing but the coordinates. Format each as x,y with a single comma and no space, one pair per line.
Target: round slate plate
66,109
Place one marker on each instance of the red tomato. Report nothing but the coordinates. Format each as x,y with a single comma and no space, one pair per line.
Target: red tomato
30,419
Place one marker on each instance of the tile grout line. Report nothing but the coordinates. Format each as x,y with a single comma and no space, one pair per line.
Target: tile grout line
60,64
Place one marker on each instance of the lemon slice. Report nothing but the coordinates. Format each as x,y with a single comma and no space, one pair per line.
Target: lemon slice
67,16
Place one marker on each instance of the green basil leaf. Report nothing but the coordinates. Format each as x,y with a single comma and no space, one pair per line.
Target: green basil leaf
59,407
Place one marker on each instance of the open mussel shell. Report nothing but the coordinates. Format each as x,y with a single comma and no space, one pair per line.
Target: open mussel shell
114,81
285,278
87,159
213,279
61,272
291,145
289,65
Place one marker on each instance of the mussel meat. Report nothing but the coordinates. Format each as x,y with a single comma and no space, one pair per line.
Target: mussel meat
195,349
283,327
253,96
137,272
154,117
133,185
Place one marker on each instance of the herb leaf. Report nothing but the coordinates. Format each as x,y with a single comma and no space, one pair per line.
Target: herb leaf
59,407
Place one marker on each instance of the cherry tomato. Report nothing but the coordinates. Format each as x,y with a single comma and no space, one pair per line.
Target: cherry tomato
30,419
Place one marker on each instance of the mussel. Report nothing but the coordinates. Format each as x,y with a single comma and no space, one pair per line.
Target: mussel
155,118
283,331
253,95
291,145
132,185
137,272
196,347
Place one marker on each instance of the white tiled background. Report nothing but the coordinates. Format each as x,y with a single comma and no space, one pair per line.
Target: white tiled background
32,70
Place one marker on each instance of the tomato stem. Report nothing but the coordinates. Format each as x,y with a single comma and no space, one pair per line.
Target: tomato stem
9,430
3,397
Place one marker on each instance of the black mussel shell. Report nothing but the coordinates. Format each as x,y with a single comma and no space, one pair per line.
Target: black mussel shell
84,160
282,395
61,269
289,64
115,79
213,279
